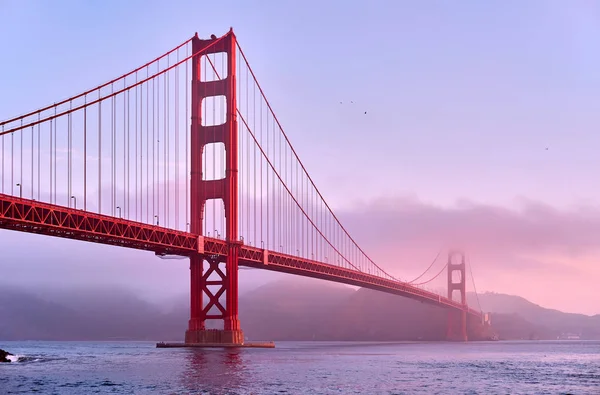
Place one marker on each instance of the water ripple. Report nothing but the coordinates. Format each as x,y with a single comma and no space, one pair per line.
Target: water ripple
305,368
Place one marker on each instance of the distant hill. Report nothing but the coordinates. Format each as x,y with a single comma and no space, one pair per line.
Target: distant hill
516,317
289,310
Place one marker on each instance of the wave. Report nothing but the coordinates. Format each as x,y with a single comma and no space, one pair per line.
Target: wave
22,358
14,358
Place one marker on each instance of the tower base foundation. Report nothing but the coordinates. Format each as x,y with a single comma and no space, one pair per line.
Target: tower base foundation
214,336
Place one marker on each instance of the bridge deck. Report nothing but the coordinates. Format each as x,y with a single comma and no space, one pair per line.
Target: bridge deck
42,218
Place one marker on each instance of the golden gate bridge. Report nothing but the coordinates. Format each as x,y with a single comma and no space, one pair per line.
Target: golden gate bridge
185,156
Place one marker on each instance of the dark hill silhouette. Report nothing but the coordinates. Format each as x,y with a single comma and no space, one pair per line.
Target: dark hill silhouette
542,322
289,310
371,315
25,316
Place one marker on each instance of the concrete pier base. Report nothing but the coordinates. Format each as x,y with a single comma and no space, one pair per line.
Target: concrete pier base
216,345
211,338
214,336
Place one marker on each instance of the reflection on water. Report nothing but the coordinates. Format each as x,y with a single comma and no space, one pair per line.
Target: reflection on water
214,369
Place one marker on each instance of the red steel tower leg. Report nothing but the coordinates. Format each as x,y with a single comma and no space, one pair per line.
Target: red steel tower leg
457,320
203,190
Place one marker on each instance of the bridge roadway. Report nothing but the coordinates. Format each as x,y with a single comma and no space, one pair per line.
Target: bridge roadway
31,216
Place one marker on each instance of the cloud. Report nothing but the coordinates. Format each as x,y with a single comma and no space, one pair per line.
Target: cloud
534,250
534,228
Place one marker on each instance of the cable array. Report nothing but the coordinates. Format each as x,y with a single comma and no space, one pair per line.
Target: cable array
123,149
120,149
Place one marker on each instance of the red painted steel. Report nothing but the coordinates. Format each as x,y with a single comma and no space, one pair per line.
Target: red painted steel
36,217
222,256
457,319
48,219
225,189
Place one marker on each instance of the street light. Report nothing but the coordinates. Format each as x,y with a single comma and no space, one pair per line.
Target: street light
119,208
20,190
156,216
74,202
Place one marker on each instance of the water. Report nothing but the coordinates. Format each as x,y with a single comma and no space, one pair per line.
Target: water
305,368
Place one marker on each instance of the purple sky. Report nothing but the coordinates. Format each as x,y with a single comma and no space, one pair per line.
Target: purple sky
462,99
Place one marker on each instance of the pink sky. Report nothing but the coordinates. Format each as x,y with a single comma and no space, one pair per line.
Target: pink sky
463,100
546,255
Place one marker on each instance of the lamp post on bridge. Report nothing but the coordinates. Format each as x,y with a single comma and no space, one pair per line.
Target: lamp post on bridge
74,202
20,190
119,208
157,222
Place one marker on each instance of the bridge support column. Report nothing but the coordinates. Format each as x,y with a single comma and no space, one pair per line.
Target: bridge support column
457,319
209,287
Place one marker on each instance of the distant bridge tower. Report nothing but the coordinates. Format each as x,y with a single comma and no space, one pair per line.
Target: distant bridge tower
457,319
226,284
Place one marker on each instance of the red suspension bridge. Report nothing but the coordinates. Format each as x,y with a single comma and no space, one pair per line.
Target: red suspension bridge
185,156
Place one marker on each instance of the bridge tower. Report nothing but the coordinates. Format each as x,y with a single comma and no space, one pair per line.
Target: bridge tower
457,319
202,190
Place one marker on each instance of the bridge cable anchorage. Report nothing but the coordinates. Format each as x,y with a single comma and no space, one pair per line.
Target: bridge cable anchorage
429,267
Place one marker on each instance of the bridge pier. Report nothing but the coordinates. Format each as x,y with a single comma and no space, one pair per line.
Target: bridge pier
457,326
214,284
457,319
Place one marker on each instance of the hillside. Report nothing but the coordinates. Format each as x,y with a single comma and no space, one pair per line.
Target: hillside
541,322
290,310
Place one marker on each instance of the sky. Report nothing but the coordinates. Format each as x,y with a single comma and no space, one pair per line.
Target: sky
481,127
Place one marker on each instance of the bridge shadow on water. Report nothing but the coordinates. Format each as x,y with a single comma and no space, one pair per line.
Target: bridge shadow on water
214,371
